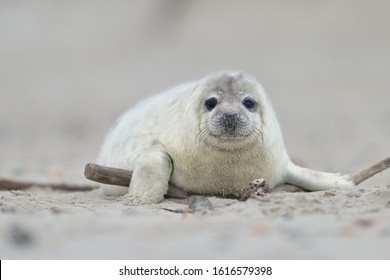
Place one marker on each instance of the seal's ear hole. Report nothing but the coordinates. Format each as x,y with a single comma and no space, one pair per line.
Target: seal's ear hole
211,103
249,104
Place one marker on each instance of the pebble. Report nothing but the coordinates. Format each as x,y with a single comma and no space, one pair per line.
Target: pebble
20,236
7,209
365,222
199,204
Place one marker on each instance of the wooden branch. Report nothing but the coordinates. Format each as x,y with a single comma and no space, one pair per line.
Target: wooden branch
19,185
371,171
107,175
121,177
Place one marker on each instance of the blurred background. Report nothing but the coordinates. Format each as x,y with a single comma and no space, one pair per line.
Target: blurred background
68,69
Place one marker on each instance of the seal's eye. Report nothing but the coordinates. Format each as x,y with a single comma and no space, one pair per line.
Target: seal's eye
211,103
249,103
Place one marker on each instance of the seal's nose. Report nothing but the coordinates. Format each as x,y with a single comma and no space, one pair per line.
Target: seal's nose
230,117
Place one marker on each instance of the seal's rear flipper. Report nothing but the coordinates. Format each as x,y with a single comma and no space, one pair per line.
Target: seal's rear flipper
314,180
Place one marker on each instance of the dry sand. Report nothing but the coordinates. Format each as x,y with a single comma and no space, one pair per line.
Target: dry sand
323,225
69,68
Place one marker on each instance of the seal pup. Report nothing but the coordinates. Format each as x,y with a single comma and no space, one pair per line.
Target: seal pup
209,137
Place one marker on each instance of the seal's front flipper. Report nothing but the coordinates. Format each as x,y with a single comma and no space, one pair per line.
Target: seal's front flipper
151,175
314,180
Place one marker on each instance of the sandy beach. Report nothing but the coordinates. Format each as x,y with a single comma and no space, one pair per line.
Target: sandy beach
70,68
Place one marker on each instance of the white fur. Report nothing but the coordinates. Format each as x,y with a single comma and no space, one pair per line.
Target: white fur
157,140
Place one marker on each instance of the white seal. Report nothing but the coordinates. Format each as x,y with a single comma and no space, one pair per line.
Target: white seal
208,137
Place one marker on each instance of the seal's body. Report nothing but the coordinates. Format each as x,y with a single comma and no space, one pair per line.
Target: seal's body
211,137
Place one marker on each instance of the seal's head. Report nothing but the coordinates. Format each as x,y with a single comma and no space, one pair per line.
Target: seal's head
231,111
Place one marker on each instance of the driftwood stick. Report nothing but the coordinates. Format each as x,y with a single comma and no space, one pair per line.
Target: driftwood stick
371,171
121,177
107,175
19,185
